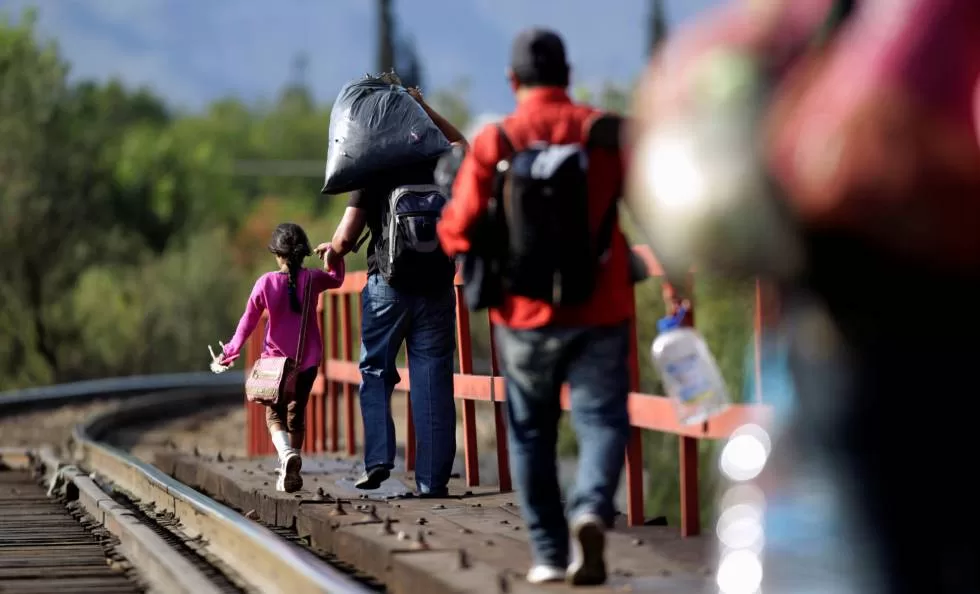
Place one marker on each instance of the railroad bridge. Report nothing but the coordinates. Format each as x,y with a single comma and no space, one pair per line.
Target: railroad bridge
479,513
184,521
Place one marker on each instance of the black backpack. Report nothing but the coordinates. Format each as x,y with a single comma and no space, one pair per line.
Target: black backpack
408,252
535,239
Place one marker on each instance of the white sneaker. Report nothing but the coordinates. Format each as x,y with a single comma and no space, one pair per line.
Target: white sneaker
588,566
543,574
290,479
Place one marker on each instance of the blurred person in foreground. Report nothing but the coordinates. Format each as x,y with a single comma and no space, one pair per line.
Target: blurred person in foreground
421,312
854,127
541,345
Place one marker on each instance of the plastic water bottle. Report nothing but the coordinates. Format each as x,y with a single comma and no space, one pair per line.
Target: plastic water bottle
688,370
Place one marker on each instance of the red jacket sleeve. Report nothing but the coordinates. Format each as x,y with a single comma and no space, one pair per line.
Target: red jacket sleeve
471,191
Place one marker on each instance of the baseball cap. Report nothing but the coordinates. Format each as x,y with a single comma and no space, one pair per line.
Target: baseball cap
538,58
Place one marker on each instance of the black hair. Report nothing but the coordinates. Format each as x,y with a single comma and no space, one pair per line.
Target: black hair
559,77
538,59
290,243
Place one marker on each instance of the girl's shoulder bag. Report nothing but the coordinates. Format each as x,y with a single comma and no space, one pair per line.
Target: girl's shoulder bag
272,380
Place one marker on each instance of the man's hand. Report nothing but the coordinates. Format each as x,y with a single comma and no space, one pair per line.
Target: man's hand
416,94
332,260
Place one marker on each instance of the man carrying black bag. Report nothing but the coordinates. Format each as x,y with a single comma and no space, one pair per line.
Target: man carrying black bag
409,297
539,194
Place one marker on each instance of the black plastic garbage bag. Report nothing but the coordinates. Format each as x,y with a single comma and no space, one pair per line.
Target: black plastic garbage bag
376,126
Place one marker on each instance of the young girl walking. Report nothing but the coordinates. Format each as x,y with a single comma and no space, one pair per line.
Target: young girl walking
281,293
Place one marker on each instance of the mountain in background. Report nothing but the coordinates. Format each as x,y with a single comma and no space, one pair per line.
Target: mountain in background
194,51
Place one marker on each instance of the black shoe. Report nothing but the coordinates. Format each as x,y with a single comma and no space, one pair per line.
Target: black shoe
442,493
588,566
372,478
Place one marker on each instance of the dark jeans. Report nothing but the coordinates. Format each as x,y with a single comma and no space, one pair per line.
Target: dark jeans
427,325
536,363
899,424
901,439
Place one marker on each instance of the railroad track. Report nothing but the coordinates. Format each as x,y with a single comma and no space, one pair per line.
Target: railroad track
101,520
45,546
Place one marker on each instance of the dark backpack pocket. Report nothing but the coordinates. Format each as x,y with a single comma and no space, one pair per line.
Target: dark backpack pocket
409,252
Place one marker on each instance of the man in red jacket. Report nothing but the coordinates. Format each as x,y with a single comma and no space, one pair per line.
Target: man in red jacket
542,346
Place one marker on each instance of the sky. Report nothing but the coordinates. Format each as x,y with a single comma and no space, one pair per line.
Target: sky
195,51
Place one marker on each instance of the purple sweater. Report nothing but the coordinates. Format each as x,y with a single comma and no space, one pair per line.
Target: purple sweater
271,292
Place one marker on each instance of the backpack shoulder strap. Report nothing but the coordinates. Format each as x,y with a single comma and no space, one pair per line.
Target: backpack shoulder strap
307,306
360,242
508,145
603,131
606,227
497,190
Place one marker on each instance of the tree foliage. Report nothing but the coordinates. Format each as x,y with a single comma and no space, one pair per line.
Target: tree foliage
117,217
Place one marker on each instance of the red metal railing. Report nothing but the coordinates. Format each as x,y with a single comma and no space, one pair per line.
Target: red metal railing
339,376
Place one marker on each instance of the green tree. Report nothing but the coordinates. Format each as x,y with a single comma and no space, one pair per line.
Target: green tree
49,186
157,314
95,180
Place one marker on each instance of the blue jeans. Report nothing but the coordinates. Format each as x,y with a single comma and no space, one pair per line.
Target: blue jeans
536,363
427,325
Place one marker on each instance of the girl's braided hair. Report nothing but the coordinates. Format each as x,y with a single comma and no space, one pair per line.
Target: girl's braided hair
290,243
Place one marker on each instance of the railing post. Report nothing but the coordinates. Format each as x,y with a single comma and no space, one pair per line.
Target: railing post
316,408
766,315
757,335
464,346
255,430
688,459
499,422
348,355
690,505
250,449
268,447
332,387
634,446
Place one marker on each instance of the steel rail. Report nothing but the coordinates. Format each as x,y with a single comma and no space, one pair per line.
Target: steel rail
257,555
84,391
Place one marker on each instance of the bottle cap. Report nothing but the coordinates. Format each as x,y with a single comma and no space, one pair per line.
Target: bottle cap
671,322
666,324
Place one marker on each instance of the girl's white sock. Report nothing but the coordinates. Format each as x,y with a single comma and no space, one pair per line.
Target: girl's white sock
280,439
